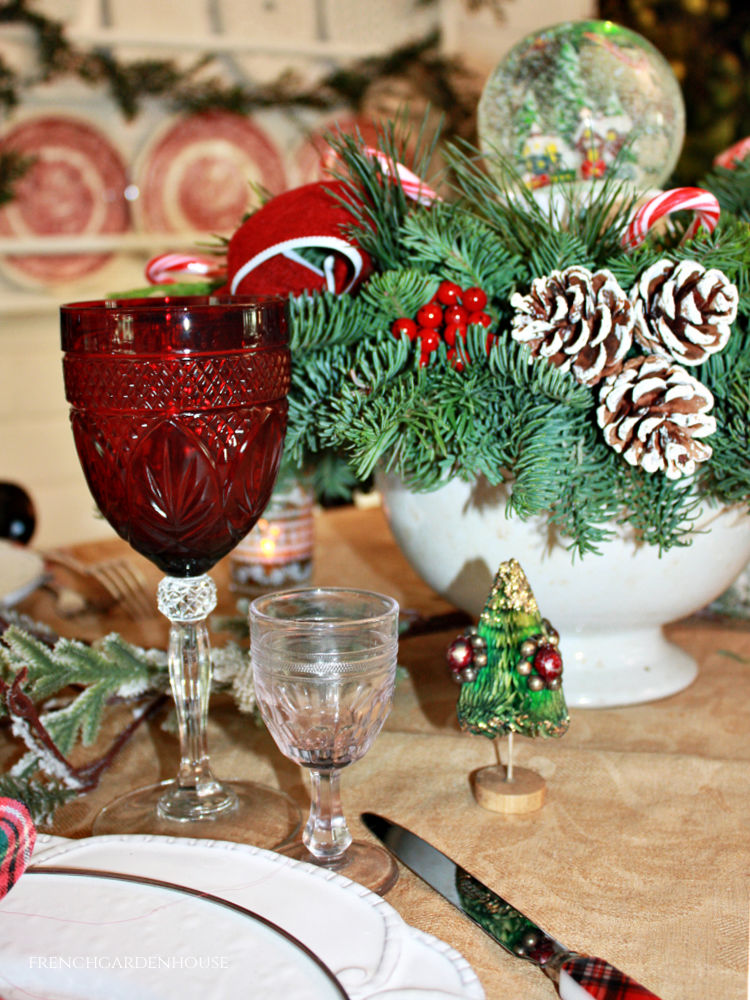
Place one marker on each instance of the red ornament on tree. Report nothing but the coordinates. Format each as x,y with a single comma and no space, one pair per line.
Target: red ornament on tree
548,662
455,315
459,654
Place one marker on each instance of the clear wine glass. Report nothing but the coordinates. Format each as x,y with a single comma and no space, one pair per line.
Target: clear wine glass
178,410
324,668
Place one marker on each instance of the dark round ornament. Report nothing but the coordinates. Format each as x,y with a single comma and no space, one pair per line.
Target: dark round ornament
480,660
478,642
459,654
535,682
555,683
17,514
551,634
530,939
548,662
468,675
523,667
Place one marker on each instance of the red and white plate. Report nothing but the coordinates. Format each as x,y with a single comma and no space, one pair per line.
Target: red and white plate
198,175
75,187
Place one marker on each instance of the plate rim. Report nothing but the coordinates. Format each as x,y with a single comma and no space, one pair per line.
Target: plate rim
200,894
34,577
394,925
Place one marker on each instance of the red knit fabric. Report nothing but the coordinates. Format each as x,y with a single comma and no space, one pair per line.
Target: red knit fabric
300,215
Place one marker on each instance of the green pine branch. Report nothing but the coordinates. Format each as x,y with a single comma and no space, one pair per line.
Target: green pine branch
322,321
732,188
456,246
396,294
491,410
378,204
41,797
114,668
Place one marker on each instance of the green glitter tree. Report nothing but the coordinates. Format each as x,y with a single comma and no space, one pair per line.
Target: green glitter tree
509,666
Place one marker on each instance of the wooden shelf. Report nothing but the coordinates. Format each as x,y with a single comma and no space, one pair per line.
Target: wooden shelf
312,49
104,243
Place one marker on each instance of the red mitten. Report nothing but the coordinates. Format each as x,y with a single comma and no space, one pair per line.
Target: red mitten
263,256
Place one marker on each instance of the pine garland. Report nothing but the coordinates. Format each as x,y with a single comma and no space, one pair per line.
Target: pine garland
56,697
361,391
439,80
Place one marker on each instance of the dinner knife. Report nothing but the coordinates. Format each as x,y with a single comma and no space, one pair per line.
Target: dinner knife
577,977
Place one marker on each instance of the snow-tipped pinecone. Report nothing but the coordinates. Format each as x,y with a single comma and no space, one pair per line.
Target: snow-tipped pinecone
579,320
683,311
655,415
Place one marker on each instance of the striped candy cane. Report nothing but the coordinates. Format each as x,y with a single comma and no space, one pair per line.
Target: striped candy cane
702,203
414,187
736,152
162,269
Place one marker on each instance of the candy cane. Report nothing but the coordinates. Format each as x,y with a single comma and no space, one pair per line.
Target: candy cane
736,152
161,270
702,203
414,187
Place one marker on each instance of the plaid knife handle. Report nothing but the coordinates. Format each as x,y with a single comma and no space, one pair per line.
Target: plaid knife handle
584,978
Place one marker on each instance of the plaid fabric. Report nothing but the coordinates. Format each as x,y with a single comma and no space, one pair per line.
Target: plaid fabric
17,837
603,981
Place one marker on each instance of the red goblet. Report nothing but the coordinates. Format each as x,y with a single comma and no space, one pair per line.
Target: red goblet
178,409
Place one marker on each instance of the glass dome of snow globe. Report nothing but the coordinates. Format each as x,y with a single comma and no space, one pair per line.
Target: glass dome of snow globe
580,102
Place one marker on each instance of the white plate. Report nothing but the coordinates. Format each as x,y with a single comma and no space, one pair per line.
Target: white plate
85,936
21,572
355,933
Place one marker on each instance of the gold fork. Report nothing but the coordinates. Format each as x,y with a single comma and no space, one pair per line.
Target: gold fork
109,582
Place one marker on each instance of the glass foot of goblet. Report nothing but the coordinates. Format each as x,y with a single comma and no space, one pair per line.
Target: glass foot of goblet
367,864
255,814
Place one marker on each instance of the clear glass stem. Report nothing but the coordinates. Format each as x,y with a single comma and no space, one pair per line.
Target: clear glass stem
326,835
196,794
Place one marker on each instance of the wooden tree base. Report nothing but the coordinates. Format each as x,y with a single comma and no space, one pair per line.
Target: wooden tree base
524,794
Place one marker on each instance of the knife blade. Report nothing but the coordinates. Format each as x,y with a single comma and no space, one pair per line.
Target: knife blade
577,977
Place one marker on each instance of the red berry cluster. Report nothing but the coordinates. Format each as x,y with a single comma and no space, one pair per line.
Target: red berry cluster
445,318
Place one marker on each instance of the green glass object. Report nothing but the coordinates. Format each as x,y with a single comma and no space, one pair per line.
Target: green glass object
503,699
